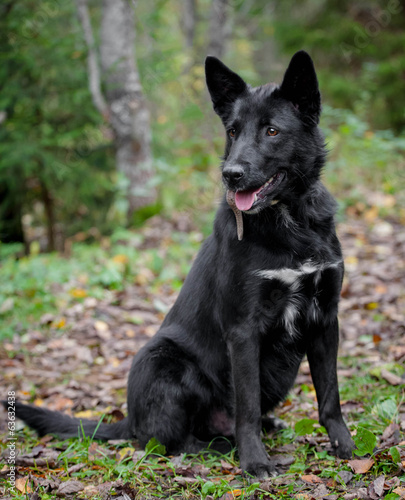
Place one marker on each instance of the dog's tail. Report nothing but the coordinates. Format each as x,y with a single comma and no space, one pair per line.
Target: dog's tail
45,421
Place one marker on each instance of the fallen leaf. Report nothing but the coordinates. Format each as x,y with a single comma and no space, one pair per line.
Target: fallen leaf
311,479
22,485
125,453
120,259
78,293
95,451
370,306
400,491
7,305
391,378
230,495
87,414
226,465
69,487
361,466
376,488
371,214
376,338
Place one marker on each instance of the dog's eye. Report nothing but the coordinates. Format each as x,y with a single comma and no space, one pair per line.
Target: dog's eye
271,131
232,132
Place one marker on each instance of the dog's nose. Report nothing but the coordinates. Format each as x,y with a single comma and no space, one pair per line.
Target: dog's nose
233,174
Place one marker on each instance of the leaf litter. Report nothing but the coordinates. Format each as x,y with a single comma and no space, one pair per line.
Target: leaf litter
77,361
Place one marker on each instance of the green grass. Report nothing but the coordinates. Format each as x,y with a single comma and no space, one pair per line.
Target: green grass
152,475
47,283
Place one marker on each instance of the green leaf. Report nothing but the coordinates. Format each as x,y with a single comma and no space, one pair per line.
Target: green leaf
305,426
396,457
155,447
208,487
392,496
386,410
365,442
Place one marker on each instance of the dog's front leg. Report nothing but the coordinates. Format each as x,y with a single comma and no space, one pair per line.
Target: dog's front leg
245,361
322,357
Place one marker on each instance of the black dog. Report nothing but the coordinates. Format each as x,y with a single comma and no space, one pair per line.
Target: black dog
262,293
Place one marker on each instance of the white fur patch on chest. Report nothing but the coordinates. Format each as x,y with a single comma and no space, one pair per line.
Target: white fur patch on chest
292,278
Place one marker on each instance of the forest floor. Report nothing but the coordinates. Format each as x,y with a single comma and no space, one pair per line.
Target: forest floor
75,358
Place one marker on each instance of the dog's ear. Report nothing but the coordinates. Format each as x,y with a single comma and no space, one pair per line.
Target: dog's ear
223,84
300,86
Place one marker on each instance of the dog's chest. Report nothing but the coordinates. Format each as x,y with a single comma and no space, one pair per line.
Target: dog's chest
289,296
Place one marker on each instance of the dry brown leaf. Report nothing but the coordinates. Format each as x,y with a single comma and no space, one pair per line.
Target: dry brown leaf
23,485
376,488
391,378
361,466
69,487
311,479
400,491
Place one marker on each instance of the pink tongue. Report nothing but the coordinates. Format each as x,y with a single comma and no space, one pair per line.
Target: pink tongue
244,199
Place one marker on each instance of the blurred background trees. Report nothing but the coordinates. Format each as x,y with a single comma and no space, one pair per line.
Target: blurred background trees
79,153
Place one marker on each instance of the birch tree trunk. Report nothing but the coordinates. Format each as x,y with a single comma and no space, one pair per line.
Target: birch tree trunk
128,112
189,21
219,28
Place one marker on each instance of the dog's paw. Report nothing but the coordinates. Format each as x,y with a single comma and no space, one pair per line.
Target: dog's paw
260,470
343,448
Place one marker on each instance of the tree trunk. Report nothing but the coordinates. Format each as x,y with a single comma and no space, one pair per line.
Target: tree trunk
128,113
189,21
11,229
50,216
219,28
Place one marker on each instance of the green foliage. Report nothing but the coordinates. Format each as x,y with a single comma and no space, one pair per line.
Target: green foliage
28,285
358,52
305,426
396,457
154,447
365,442
55,146
51,143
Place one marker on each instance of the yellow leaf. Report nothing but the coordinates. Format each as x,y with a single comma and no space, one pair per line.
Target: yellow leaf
125,452
115,362
236,493
78,293
144,277
372,305
86,414
120,259
59,324
400,491
38,402
371,214
351,260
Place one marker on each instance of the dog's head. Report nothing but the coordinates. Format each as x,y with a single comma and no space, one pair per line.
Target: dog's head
274,149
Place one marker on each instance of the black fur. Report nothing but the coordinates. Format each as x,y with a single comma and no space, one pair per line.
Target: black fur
230,348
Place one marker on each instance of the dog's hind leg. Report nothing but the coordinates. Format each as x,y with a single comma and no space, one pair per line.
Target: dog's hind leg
166,394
